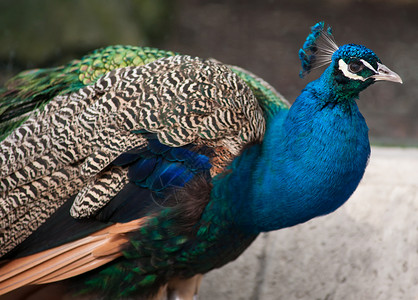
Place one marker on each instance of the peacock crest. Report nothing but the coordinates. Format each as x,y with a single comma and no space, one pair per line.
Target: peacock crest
318,48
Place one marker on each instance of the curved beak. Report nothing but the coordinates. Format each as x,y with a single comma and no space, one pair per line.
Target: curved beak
384,73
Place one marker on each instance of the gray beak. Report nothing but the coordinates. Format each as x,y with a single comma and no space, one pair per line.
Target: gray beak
384,73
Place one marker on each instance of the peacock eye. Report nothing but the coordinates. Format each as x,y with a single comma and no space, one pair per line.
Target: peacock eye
355,66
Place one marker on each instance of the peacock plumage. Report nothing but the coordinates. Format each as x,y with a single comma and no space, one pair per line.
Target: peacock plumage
133,171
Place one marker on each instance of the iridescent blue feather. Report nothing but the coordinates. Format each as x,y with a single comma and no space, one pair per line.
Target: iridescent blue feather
310,55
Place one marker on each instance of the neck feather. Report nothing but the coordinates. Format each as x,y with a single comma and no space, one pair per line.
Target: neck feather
310,162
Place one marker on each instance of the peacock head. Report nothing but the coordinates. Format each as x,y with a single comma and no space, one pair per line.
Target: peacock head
352,67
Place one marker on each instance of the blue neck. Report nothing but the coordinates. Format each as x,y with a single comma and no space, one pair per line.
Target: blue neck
311,161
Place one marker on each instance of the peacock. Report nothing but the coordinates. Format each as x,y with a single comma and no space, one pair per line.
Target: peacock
133,171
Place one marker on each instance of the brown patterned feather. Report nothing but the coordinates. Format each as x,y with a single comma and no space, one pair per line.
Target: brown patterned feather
66,149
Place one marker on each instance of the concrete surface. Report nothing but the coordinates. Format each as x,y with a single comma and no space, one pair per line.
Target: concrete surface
368,249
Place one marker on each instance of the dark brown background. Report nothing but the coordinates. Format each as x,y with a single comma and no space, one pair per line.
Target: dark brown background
261,36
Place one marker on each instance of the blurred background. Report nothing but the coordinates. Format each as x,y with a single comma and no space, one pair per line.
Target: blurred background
262,36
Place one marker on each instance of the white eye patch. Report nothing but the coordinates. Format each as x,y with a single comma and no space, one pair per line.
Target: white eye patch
344,68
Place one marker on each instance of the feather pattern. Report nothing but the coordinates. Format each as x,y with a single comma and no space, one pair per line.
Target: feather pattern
90,128
172,168
31,90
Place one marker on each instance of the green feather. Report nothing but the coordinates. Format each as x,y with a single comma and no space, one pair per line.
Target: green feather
31,90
